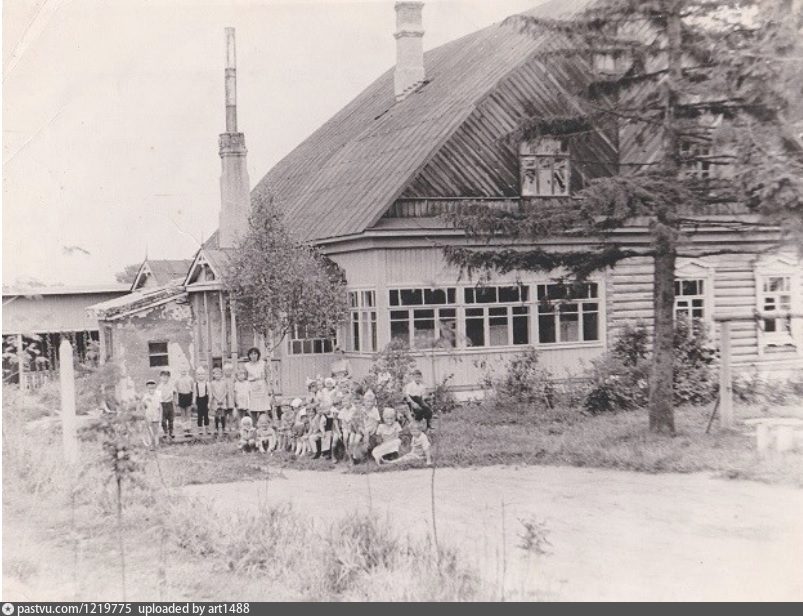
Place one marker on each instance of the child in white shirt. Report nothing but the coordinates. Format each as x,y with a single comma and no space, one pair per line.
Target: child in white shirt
419,446
414,397
247,434
151,406
388,431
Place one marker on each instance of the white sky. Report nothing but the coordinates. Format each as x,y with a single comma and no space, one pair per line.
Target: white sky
112,110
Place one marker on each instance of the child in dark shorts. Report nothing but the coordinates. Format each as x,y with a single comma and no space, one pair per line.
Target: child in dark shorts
184,386
166,395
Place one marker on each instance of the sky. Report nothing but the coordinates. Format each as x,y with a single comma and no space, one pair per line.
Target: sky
112,110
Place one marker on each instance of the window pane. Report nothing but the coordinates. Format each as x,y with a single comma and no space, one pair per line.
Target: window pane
508,294
546,328
569,323
411,297
394,298
327,345
296,347
450,295
485,295
468,295
355,334
447,326
157,347
157,361
317,346
590,326
521,329
353,299
434,296
475,332
560,177
307,346
373,332
544,173
497,327
423,329
401,330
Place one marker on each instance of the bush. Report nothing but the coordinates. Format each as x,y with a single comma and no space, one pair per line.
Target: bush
620,378
443,400
523,382
389,373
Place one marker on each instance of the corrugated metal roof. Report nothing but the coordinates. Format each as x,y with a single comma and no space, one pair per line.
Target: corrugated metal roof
342,178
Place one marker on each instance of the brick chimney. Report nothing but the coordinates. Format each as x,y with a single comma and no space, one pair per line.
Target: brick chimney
235,198
409,48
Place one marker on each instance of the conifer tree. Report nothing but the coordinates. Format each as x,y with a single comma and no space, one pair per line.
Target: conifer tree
719,85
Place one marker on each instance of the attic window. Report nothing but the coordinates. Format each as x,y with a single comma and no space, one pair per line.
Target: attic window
544,168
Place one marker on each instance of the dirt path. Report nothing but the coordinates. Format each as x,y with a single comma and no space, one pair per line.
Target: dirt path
615,535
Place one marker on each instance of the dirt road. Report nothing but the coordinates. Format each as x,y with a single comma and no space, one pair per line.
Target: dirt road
615,535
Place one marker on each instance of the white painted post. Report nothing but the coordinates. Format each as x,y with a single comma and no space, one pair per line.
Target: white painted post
67,376
725,385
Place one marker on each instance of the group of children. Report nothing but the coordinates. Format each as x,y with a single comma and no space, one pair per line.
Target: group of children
225,398
336,419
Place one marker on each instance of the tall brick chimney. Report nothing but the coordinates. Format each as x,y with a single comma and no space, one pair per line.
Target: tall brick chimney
409,48
235,198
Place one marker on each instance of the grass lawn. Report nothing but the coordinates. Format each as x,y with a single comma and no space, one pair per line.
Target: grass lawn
476,436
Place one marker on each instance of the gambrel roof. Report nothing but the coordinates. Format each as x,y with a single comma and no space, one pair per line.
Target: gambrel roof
345,176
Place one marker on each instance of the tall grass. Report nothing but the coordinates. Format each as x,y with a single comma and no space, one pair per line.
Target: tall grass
272,551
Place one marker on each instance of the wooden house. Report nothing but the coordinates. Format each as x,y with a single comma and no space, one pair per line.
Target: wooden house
434,133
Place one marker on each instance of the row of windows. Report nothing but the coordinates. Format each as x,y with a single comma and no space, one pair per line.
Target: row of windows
499,316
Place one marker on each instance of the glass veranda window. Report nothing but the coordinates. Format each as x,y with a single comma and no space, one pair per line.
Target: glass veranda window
568,313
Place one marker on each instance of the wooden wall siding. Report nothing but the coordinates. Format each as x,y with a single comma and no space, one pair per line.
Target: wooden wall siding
481,160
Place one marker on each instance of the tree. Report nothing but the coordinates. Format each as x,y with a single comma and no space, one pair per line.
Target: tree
128,274
716,83
280,286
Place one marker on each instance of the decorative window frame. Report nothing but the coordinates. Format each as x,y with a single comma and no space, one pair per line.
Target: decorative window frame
695,269
537,154
780,265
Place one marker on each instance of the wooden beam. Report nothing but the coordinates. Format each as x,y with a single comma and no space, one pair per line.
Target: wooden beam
196,330
725,384
234,341
208,333
222,305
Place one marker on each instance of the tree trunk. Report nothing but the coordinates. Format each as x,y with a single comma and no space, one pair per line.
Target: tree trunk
665,233
661,382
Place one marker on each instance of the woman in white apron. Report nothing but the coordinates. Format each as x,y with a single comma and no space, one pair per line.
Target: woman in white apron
258,394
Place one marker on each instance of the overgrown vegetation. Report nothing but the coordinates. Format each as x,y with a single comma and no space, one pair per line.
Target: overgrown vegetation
264,553
620,378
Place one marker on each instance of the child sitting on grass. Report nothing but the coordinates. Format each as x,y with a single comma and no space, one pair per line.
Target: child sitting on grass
265,434
301,433
419,445
388,433
247,434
